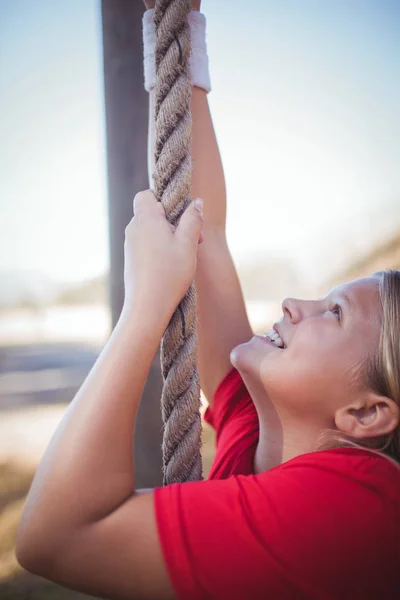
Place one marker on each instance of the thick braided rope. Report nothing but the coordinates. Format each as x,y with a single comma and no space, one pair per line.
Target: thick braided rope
180,402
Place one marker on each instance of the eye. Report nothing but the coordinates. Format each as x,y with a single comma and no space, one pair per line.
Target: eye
336,309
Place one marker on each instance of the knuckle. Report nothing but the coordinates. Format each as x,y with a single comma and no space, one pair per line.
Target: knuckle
143,200
138,199
148,195
138,196
128,228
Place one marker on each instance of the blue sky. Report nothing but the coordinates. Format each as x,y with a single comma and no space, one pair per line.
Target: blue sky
305,104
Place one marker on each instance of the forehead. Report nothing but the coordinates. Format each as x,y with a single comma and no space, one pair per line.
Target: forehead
362,295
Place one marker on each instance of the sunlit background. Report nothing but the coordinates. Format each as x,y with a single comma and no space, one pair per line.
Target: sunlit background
306,110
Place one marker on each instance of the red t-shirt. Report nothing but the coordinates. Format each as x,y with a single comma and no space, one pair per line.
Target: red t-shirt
324,525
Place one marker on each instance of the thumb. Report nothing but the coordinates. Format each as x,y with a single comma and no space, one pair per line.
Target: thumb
191,223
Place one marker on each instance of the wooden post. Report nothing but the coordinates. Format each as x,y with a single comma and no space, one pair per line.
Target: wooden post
126,109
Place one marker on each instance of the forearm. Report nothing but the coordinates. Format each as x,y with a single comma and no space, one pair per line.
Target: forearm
208,180
88,467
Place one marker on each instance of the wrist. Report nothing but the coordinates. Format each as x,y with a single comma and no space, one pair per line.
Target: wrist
151,4
198,60
146,316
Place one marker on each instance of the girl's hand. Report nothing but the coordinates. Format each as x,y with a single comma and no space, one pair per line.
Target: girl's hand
160,263
151,3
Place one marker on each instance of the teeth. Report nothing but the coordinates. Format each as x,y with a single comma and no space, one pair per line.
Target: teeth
275,338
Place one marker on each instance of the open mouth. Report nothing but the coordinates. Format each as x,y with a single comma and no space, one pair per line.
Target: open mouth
273,336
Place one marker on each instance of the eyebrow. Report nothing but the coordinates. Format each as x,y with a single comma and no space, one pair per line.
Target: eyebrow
343,296
347,300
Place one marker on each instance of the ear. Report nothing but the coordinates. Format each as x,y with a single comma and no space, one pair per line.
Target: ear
370,416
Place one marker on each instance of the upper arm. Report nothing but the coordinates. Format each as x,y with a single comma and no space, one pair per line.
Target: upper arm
223,321
285,533
117,557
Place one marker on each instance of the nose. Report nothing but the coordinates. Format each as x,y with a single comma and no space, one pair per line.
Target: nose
291,308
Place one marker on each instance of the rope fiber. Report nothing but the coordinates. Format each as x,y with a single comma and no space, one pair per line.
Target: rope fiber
180,401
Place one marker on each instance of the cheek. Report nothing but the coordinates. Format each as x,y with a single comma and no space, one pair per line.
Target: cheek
311,375
306,374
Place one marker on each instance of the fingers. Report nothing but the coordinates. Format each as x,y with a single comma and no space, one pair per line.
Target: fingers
190,226
145,201
191,222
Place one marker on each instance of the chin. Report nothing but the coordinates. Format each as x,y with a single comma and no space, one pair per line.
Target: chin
249,357
238,355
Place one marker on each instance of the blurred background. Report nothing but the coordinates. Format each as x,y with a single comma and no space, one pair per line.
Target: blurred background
305,106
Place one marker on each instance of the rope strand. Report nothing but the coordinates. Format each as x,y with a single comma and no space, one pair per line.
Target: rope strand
180,401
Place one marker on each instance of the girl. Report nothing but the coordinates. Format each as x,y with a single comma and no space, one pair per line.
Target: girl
303,498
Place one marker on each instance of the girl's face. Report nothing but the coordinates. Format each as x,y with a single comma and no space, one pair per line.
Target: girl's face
326,340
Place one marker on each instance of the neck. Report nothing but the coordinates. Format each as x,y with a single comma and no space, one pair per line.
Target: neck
277,446
282,437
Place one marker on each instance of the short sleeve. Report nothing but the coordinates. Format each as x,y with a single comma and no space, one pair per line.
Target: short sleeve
304,530
235,420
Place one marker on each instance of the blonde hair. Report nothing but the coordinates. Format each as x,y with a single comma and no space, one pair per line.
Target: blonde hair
380,371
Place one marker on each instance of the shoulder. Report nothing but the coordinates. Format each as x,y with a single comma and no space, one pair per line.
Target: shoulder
317,514
330,488
356,463
345,467
338,497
